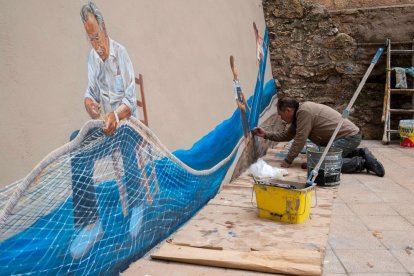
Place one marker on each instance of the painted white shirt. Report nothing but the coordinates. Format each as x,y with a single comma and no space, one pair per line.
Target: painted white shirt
112,82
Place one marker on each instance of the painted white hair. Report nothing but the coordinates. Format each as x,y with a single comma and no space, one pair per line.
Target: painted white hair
91,8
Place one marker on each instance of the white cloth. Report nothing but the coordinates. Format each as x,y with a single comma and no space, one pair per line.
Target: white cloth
112,82
261,169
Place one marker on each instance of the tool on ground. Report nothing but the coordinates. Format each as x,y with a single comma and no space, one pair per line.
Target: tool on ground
314,173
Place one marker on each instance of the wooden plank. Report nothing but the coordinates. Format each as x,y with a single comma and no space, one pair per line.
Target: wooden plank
297,262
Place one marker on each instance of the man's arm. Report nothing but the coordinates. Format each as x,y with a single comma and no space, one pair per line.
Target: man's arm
303,129
277,137
283,136
129,102
92,98
123,111
92,107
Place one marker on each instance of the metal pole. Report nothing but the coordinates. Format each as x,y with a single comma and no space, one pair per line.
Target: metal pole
345,114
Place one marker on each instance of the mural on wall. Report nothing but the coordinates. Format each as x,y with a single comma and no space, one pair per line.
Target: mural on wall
101,201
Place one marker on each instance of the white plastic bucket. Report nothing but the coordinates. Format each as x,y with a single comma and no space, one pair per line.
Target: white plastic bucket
407,133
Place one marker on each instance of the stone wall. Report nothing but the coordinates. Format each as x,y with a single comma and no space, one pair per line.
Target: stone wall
352,4
322,56
370,28
376,24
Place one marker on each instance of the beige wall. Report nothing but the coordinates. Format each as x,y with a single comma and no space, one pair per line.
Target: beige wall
181,47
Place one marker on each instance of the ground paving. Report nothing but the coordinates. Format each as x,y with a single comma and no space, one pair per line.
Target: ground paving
372,227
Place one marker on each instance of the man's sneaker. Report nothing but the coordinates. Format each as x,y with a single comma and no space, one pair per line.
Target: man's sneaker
371,163
85,239
136,220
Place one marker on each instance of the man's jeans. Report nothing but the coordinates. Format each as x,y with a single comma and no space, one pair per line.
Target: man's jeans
351,156
84,195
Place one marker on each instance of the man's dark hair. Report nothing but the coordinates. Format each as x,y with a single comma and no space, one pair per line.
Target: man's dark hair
287,102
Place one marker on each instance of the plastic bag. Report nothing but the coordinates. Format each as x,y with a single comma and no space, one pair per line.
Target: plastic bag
261,169
400,77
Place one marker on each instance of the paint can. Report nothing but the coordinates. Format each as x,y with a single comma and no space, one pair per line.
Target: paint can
407,133
330,171
283,204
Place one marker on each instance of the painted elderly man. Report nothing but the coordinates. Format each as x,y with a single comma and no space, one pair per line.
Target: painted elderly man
110,91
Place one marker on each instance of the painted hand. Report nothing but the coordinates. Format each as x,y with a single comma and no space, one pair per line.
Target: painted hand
110,124
93,109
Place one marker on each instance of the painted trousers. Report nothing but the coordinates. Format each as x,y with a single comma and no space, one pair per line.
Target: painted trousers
82,165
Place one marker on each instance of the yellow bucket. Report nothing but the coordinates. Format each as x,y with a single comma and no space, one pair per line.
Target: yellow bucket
281,204
407,133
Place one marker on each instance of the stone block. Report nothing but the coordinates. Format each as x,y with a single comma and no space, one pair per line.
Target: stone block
288,9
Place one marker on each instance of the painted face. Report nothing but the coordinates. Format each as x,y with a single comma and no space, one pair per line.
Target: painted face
97,37
287,114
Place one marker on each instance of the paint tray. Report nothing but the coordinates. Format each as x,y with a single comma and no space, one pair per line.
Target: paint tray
283,200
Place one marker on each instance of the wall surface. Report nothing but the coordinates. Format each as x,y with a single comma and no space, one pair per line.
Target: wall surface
181,47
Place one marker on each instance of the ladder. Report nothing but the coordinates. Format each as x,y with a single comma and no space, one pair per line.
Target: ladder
389,91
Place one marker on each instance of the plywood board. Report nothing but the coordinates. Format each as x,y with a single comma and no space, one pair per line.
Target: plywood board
235,228
227,232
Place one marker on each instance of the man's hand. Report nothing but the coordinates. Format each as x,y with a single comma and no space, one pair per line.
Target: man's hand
93,108
241,106
284,164
258,131
110,124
